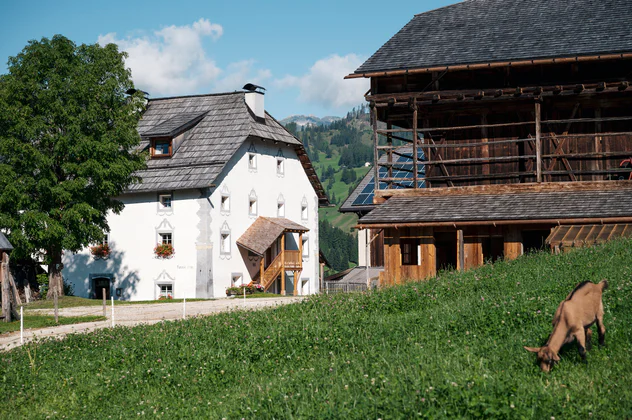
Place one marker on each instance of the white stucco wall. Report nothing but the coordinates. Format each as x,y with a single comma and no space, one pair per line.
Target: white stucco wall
134,233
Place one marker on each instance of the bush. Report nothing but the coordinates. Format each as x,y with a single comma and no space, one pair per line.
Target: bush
42,281
239,290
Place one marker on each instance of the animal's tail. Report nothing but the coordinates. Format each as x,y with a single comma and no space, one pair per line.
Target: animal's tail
604,284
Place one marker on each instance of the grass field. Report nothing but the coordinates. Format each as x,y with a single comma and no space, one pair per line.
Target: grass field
446,348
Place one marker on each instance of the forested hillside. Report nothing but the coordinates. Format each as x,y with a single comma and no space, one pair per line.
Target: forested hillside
339,151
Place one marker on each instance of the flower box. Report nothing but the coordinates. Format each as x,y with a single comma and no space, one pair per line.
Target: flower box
164,251
100,251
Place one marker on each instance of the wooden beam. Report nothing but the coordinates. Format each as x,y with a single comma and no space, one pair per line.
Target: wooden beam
495,223
415,141
538,144
376,155
283,264
460,250
485,147
510,188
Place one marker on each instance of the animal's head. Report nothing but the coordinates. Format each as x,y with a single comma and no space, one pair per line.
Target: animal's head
546,357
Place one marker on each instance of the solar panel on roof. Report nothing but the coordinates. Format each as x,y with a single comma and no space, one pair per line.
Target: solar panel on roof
402,168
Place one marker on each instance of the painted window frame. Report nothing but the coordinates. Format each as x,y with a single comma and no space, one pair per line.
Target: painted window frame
304,209
156,141
252,161
253,211
162,238
162,208
225,245
305,247
281,206
280,166
166,284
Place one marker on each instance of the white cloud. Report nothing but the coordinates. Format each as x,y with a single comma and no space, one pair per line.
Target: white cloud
324,83
172,60
239,73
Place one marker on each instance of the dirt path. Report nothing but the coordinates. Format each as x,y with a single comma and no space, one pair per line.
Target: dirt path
136,314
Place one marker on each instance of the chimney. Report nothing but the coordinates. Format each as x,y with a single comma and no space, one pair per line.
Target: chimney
254,99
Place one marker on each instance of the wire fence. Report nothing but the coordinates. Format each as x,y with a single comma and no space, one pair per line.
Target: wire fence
335,287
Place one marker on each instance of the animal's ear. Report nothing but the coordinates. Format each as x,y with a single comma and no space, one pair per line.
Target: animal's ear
532,349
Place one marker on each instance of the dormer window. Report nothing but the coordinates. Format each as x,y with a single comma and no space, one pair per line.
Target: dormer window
161,148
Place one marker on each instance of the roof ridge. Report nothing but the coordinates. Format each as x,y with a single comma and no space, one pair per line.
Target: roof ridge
197,95
443,7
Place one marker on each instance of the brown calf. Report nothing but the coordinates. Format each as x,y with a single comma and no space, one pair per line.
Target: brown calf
573,319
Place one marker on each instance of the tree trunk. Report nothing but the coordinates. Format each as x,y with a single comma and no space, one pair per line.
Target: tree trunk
55,281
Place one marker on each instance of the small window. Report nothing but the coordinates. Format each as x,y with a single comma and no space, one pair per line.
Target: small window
165,201
237,279
166,291
252,161
106,239
162,148
304,211
281,206
225,204
166,238
252,203
280,164
305,245
225,243
410,254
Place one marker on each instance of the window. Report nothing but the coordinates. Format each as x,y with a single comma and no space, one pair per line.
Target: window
280,165
281,206
237,279
224,240
304,211
410,254
106,239
252,161
162,148
165,201
225,205
166,238
252,203
305,245
225,243
166,291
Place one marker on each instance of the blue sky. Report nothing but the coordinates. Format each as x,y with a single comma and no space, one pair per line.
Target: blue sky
298,50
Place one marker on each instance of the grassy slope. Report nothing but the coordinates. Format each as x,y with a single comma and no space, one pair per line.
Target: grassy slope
450,347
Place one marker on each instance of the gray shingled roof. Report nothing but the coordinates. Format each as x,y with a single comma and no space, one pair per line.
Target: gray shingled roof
496,207
226,123
484,31
5,245
348,206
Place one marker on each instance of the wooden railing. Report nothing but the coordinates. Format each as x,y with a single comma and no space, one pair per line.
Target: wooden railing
293,261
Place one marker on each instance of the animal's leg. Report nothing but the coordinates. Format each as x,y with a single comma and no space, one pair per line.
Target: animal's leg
589,334
580,335
601,330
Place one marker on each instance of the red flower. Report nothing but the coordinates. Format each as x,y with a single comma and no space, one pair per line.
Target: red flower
164,250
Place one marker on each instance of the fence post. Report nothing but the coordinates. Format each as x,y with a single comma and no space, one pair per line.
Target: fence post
184,308
55,302
104,304
21,324
112,317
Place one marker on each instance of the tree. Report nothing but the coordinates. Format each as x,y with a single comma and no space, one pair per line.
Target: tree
68,146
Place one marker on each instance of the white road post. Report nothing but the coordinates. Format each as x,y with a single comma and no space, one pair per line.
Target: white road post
112,317
184,308
21,324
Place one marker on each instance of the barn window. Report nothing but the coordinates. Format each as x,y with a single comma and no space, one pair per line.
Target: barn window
410,251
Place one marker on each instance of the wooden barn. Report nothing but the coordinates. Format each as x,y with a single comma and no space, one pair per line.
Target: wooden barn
517,118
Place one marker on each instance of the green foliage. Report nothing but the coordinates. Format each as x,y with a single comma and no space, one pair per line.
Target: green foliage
445,348
67,140
339,248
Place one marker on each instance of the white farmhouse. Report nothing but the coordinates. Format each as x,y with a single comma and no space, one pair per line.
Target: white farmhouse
229,189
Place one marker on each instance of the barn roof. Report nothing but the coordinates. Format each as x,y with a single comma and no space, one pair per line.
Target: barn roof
217,124
264,231
532,206
487,31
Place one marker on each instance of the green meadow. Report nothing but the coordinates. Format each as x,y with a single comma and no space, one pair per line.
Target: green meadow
451,347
